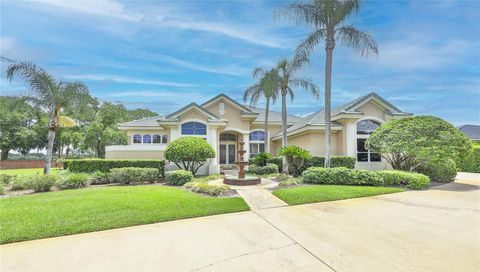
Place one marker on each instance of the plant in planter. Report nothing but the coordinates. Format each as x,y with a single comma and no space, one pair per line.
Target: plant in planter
296,157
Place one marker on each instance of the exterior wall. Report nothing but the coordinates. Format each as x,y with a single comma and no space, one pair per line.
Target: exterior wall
194,115
230,113
315,143
134,154
160,131
371,109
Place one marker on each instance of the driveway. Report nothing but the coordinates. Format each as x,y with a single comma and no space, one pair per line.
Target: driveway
433,230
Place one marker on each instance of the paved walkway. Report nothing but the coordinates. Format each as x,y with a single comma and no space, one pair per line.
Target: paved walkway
432,230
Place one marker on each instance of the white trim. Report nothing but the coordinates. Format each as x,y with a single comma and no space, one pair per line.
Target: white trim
365,136
140,128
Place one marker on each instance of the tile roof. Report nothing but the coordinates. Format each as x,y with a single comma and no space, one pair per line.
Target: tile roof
273,116
146,122
472,131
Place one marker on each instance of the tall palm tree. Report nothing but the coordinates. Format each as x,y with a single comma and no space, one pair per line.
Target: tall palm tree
267,86
50,95
286,71
327,18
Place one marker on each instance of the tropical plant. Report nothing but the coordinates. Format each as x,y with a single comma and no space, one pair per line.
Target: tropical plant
51,95
266,86
327,18
189,153
295,157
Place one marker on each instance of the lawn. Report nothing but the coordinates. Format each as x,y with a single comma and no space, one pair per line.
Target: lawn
92,209
321,193
26,171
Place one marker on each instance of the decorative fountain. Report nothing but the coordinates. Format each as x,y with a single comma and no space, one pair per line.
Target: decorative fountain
241,179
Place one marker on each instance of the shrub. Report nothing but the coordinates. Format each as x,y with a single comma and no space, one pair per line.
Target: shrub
207,178
269,168
296,158
129,175
5,179
189,153
18,184
209,189
73,181
439,170
178,177
98,178
2,189
341,176
335,161
408,142
40,183
409,179
290,182
470,162
105,165
261,159
281,177
278,161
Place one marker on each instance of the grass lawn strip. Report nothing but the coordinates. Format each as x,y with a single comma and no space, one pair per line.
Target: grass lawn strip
321,193
85,210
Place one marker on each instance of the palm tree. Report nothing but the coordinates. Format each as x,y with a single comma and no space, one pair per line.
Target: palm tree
286,72
266,86
50,95
327,17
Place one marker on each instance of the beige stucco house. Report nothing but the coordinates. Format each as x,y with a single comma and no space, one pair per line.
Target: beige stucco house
222,122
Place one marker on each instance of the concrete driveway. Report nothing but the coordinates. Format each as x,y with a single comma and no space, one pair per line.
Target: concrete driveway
433,230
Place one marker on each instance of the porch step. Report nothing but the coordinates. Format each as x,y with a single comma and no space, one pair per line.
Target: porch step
259,198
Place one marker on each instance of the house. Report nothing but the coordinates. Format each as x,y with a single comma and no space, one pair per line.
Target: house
222,121
472,132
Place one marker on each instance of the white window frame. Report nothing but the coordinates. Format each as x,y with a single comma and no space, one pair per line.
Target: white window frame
365,136
258,143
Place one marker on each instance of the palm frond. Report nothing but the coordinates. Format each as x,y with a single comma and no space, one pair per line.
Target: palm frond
343,9
306,85
361,41
305,48
39,81
66,122
303,13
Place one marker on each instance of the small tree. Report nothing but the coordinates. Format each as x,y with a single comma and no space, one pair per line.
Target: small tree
296,158
410,143
189,153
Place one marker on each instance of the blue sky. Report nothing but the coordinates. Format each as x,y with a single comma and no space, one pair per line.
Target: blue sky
163,55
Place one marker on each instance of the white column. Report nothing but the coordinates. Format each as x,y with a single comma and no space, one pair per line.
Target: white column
213,167
246,146
174,133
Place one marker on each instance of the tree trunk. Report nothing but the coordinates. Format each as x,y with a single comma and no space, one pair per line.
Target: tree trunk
267,138
5,154
328,85
284,127
51,139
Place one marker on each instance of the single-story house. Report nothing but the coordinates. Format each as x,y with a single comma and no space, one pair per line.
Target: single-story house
472,132
222,121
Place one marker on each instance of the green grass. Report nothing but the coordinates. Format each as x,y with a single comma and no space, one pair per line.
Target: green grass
92,209
26,171
321,193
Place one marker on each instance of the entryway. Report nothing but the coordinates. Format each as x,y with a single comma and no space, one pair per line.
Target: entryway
228,147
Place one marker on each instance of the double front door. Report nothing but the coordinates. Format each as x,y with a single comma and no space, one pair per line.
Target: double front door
228,153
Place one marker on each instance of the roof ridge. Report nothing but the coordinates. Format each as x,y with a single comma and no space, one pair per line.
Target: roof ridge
227,97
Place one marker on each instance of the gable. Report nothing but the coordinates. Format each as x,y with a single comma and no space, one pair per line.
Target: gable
372,109
229,111
193,114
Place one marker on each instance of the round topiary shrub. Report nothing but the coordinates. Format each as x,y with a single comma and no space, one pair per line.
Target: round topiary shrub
178,177
189,153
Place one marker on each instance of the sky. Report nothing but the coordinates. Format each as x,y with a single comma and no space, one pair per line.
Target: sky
162,55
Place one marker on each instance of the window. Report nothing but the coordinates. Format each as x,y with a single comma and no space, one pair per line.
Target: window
137,139
157,139
364,129
164,139
257,136
194,128
257,143
228,137
147,139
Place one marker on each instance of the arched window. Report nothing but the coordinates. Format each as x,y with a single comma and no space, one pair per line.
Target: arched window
147,139
364,129
228,137
194,128
137,139
164,139
257,143
257,136
157,139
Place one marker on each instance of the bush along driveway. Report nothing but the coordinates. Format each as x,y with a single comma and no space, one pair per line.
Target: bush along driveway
92,209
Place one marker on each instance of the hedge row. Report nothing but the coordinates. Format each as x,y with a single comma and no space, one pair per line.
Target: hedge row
318,161
346,176
105,165
270,168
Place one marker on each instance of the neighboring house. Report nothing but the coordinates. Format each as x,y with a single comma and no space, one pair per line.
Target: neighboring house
472,132
222,122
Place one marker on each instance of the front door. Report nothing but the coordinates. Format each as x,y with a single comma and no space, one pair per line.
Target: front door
228,153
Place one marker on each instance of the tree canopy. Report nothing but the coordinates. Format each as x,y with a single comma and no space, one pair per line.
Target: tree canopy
189,153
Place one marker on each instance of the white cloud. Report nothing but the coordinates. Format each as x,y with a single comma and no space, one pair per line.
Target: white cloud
226,70
121,79
152,93
115,10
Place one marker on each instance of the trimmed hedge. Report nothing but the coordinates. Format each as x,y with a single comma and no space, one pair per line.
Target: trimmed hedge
129,175
105,165
345,176
178,177
409,179
270,168
335,161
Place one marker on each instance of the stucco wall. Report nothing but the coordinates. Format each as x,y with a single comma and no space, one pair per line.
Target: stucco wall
371,109
231,113
193,114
